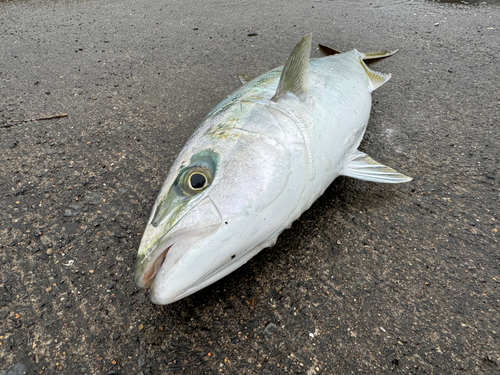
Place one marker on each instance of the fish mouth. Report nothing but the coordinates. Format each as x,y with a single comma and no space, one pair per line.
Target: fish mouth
160,250
158,297
208,278
145,279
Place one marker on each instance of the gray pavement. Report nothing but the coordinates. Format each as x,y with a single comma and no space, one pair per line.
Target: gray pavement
372,279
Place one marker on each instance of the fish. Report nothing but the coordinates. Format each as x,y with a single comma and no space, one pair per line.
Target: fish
257,161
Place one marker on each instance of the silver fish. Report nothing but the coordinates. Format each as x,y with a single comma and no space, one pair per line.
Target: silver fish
258,160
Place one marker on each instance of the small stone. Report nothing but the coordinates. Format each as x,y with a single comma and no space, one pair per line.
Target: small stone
141,327
270,330
18,369
141,361
116,335
49,251
93,198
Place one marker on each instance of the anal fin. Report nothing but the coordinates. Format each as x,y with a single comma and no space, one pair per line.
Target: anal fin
363,167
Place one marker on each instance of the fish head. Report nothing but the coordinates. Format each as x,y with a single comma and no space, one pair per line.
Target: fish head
183,214
214,210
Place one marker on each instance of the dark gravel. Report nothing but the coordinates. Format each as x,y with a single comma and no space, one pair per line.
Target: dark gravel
372,279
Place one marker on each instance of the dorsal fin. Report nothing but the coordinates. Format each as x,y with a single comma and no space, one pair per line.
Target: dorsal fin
244,79
295,75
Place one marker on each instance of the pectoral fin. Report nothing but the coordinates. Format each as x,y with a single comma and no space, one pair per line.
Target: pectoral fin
363,167
295,76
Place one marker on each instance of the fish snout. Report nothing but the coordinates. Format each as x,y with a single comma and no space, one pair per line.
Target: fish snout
163,246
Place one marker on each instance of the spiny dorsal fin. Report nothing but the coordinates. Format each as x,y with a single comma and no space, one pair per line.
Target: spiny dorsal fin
244,79
295,76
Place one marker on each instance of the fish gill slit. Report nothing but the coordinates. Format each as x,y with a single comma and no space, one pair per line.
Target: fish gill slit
216,208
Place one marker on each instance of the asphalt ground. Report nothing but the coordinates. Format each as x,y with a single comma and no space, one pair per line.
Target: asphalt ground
373,278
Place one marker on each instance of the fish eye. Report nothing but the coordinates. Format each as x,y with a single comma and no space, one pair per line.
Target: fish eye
197,181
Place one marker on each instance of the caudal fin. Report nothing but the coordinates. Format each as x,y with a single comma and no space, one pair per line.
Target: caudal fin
376,79
364,55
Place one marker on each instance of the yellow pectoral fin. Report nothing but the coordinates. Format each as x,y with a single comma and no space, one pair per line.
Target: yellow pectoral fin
363,167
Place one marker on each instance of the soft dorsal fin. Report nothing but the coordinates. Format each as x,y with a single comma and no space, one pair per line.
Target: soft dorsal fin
295,75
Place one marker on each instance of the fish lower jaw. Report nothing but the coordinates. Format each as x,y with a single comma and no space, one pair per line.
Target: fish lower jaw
146,279
160,298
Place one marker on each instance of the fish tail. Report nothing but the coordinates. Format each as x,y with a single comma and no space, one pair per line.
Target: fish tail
376,79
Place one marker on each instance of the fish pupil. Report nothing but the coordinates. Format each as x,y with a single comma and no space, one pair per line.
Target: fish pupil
197,181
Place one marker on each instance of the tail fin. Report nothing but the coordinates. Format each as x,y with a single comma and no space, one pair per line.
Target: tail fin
376,79
364,55
377,55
